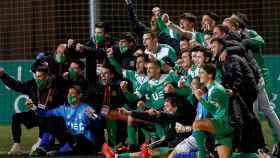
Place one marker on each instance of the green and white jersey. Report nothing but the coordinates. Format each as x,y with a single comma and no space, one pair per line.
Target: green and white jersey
163,51
165,29
153,91
193,71
198,37
217,102
136,79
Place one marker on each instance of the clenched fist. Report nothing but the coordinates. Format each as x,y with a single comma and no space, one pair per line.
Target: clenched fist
124,86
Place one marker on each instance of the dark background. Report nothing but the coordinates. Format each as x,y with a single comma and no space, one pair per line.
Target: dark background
31,26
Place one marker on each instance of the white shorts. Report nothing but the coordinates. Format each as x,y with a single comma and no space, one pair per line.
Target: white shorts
187,145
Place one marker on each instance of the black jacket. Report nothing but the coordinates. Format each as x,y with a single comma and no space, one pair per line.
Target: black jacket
30,88
127,60
96,95
241,45
238,76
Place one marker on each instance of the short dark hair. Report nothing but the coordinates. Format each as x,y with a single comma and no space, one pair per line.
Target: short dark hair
210,68
184,38
155,62
106,26
219,40
100,25
243,17
79,63
197,78
168,61
153,34
107,65
175,102
206,52
77,88
43,68
127,36
189,16
208,32
223,28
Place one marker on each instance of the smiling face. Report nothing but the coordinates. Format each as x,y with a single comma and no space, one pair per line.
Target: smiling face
229,25
216,48
200,58
194,57
187,61
218,33
186,24
208,23
168,107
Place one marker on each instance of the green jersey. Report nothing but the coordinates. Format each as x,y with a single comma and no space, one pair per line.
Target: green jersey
136,79
258,44
217,102
153,91
164,28
199,37
163,51
193,71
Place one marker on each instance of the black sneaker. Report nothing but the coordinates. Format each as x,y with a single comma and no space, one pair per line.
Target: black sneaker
39,152
276,150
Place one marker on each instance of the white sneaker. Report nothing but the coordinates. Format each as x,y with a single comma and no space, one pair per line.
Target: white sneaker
16,150
35,146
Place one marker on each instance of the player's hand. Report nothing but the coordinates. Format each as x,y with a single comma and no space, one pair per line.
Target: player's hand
65,75
124,86
128,2
153,112
229,92
79,47
90,113
156,11
2,71
138,52
169,88
109,52
141,104
181,83
165,18
181,128
198,93
124,111
70,43
29,103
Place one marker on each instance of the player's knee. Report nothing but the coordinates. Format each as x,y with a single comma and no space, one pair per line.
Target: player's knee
196,125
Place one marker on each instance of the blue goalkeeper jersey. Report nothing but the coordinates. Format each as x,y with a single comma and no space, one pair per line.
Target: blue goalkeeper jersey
76,119
201,110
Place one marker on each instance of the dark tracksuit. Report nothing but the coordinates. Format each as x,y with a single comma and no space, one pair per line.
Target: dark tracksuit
111,96
50,97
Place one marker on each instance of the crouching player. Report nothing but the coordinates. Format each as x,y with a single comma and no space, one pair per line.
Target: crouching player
76,126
